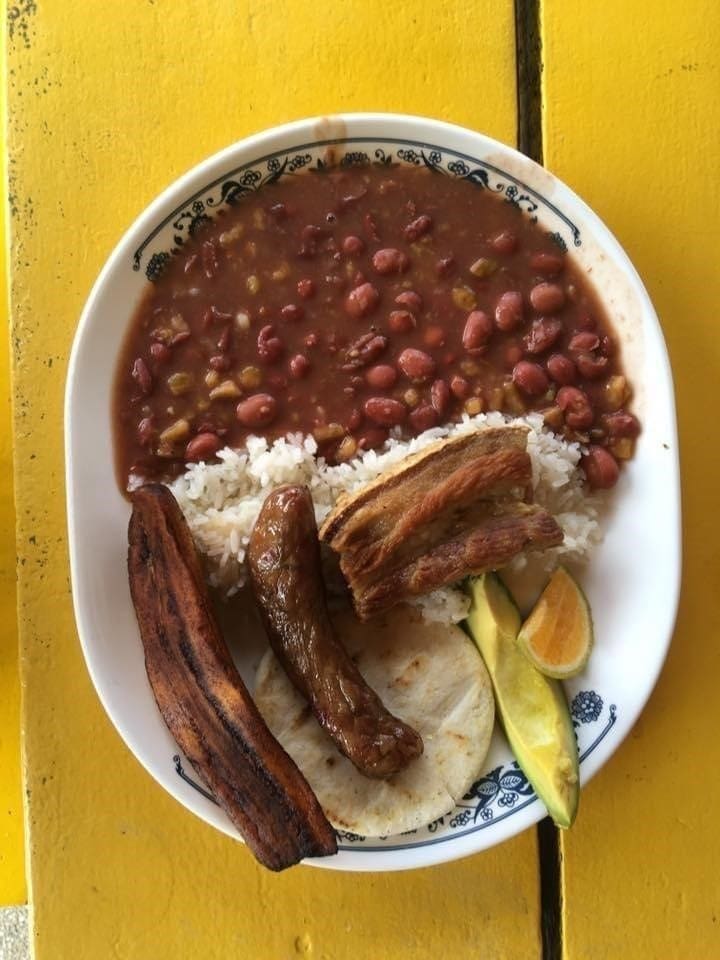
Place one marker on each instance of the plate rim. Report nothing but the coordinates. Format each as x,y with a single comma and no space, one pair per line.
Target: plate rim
428,852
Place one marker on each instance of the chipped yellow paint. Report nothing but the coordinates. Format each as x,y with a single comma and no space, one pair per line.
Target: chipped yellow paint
110,102
631,121
12,857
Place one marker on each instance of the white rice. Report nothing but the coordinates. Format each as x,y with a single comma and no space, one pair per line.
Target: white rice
221,501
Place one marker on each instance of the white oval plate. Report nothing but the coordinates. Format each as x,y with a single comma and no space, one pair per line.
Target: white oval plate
632,581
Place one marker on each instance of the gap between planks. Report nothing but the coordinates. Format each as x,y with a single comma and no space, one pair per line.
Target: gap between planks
528,59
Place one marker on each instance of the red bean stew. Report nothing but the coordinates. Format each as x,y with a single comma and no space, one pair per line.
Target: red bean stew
349,302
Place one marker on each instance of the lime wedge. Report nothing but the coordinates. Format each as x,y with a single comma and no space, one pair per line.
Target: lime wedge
557,637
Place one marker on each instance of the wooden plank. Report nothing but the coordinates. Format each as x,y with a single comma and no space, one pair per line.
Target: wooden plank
631,119
12,853
109,103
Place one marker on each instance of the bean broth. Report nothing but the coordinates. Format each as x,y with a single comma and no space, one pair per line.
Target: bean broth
352,302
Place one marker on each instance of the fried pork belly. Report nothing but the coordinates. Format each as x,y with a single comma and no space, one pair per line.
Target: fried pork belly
458,507
489,546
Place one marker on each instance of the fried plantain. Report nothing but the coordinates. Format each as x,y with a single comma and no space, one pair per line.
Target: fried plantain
203,699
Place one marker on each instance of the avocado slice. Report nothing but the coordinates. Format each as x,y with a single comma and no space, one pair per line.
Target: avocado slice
532,707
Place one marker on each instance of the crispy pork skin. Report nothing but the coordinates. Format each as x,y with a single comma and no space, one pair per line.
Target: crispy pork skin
459,507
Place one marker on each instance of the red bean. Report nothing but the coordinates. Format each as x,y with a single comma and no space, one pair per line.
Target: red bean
292,313
547,264
311,340
384,411
418,228
445,266
509,311
477,332
202,447
159,352
370,227
306,288
607,346
530,378
269,347
350,198
547,297
220,362
146,431
355,419
310,237
575,404
207,426
590,366
213,315
279,211
434,337
180,337
584,342
621,424
601,468
561,369
299,366
459,387
142,376
363,351
381,377
311,232
505,242
409,299
352,245
401,321
440,396
209,258
362,300
372,438
417,365
543,334
224,340
424,417
389,260
257,411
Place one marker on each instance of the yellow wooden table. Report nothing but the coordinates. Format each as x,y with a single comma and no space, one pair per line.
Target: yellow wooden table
108,103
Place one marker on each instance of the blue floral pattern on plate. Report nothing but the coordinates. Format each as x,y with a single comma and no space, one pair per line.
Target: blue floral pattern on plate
199,209
496,795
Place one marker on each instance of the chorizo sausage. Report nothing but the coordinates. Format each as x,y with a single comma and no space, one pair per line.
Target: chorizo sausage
286,577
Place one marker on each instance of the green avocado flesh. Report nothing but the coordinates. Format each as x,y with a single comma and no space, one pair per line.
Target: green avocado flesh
532,707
